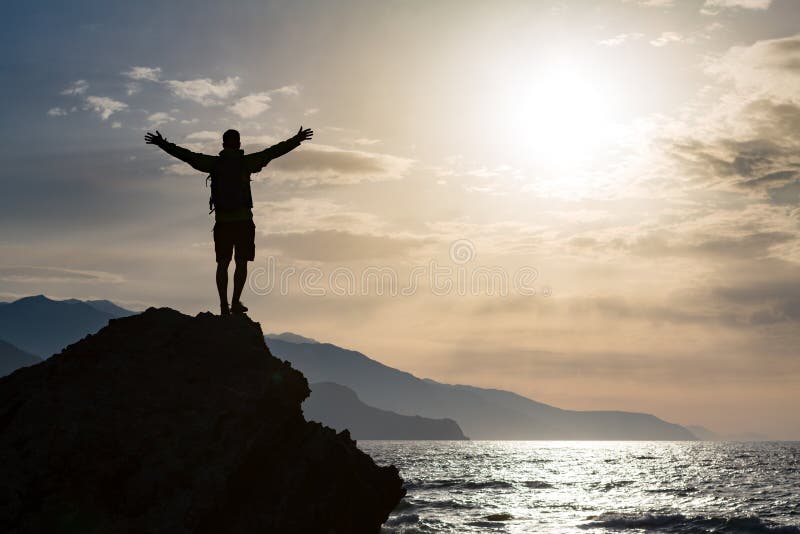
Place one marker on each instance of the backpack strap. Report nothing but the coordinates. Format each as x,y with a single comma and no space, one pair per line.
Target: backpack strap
210,198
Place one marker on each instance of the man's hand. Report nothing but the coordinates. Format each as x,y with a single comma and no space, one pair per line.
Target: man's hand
156,139
304,135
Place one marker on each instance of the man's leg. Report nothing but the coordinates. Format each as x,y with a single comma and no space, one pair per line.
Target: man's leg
223,249
239,278
245,251
222,285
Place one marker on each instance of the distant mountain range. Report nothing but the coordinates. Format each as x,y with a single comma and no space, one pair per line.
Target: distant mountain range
42,326
289,337
12,358
350,390
340,408
481,413
705,434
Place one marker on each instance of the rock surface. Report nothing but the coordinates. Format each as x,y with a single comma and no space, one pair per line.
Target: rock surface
163,422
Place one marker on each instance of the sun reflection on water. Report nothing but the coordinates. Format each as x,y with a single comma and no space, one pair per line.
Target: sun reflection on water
509,486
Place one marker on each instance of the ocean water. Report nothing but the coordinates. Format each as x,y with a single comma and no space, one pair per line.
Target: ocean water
587,487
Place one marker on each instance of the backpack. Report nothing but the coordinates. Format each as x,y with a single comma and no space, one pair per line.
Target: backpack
228,190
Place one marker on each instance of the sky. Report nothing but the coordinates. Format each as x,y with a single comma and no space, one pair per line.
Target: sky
595,204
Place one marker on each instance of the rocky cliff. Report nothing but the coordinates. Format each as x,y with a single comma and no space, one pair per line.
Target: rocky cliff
163,422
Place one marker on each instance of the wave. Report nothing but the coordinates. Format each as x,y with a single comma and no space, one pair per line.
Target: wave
442,505
504,516
433,484
477,485
615,484
490,522
538,484
403,519
680,492
404,505
457,483
495,484
681,523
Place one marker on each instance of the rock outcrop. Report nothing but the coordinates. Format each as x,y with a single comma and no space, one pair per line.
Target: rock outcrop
163,422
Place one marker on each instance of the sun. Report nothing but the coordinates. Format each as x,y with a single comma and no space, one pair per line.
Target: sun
558,116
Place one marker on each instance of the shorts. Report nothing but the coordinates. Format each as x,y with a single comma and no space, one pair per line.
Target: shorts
238,235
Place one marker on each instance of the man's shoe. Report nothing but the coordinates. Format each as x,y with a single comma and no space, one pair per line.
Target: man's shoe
223,309
238,307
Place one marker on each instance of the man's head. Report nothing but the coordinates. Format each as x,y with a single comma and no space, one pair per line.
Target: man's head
230,139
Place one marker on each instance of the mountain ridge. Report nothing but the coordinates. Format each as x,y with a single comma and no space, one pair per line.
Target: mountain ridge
482,413
291,337
43,326
13,358
489,413
340,408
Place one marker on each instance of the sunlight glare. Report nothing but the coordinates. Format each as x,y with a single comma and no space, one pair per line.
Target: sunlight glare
559,117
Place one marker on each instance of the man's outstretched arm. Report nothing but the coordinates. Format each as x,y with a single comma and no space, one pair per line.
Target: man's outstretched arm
260,159
200,162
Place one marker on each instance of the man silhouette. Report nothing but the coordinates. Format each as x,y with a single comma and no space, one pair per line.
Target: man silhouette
232,202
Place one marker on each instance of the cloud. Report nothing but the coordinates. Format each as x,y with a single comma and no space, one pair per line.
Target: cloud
116,124
251,105
179,169
208,92
287,90
753,245
151,74
320,229
642,309
257,103
696,236
299,215
316,164
652,3
204,135
713,7
364,141
131,88
666,38
749,137
340,246
204,91
620,39
78,87
752,162
156,119
104,106
769,299
57,112
768,67
35,274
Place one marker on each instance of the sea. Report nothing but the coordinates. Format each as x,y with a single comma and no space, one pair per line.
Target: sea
587,487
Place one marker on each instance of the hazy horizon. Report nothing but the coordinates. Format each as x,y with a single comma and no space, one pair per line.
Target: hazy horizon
640,155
